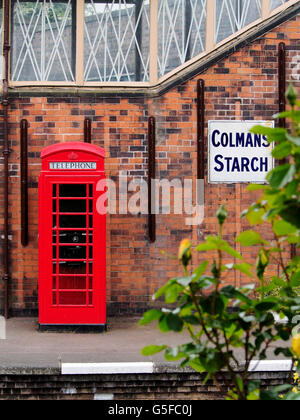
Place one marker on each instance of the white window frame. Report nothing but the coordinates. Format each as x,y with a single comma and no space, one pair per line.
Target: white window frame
154,80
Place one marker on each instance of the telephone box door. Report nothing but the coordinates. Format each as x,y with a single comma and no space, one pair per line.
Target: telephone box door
72,244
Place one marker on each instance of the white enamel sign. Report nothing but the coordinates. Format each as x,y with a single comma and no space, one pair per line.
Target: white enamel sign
77,166
235,155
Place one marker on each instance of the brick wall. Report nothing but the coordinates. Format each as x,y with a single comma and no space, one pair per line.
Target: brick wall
48,384
246,80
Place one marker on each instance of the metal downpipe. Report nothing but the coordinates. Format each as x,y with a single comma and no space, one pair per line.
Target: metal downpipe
6,152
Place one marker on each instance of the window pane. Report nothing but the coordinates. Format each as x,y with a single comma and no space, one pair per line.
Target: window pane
72,298
181,31
277,3
43,40
233,15
72,190
116,40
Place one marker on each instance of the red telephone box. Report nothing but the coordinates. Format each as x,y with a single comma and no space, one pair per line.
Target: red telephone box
72,237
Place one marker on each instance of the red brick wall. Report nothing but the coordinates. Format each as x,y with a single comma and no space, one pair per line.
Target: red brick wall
137,268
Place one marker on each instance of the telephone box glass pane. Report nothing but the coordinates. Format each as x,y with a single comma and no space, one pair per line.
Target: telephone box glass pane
72,283
72,206
72,298
72,267
73,237
72,221
72,252
72,190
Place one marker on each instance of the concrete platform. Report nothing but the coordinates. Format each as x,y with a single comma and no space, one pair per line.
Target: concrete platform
25,347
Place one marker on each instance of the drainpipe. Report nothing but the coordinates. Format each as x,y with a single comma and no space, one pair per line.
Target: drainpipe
24,182
6,152
282,101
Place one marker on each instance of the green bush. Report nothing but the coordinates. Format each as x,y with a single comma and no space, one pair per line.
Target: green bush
202,303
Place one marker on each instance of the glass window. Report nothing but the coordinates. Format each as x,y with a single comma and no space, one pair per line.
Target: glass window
43,40
277,3
181,30
116,41
233,15
112,39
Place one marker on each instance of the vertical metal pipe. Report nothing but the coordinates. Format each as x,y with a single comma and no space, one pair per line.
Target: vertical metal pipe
6,152
200,129
282,100
282,81
151,176
87,130
24,182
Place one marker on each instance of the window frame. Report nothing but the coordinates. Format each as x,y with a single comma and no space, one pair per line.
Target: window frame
154,80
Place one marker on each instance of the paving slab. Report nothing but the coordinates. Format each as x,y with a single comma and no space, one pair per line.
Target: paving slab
26,347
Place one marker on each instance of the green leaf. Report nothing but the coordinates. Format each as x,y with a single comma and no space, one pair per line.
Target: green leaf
294,140
163,324
292,188
184,282
162,290
191,319
265,306
255,216
283,228
282,150
281,176
232,293
295,280
174,322
250,238
293,396
174,354
244,268
273,134
293,115
151,350
256,187
152,315
172,293
197,365
291,212
229,250
285,114
294,239
207,246
200,271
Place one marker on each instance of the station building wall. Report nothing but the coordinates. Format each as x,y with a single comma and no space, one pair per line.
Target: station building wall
243,85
